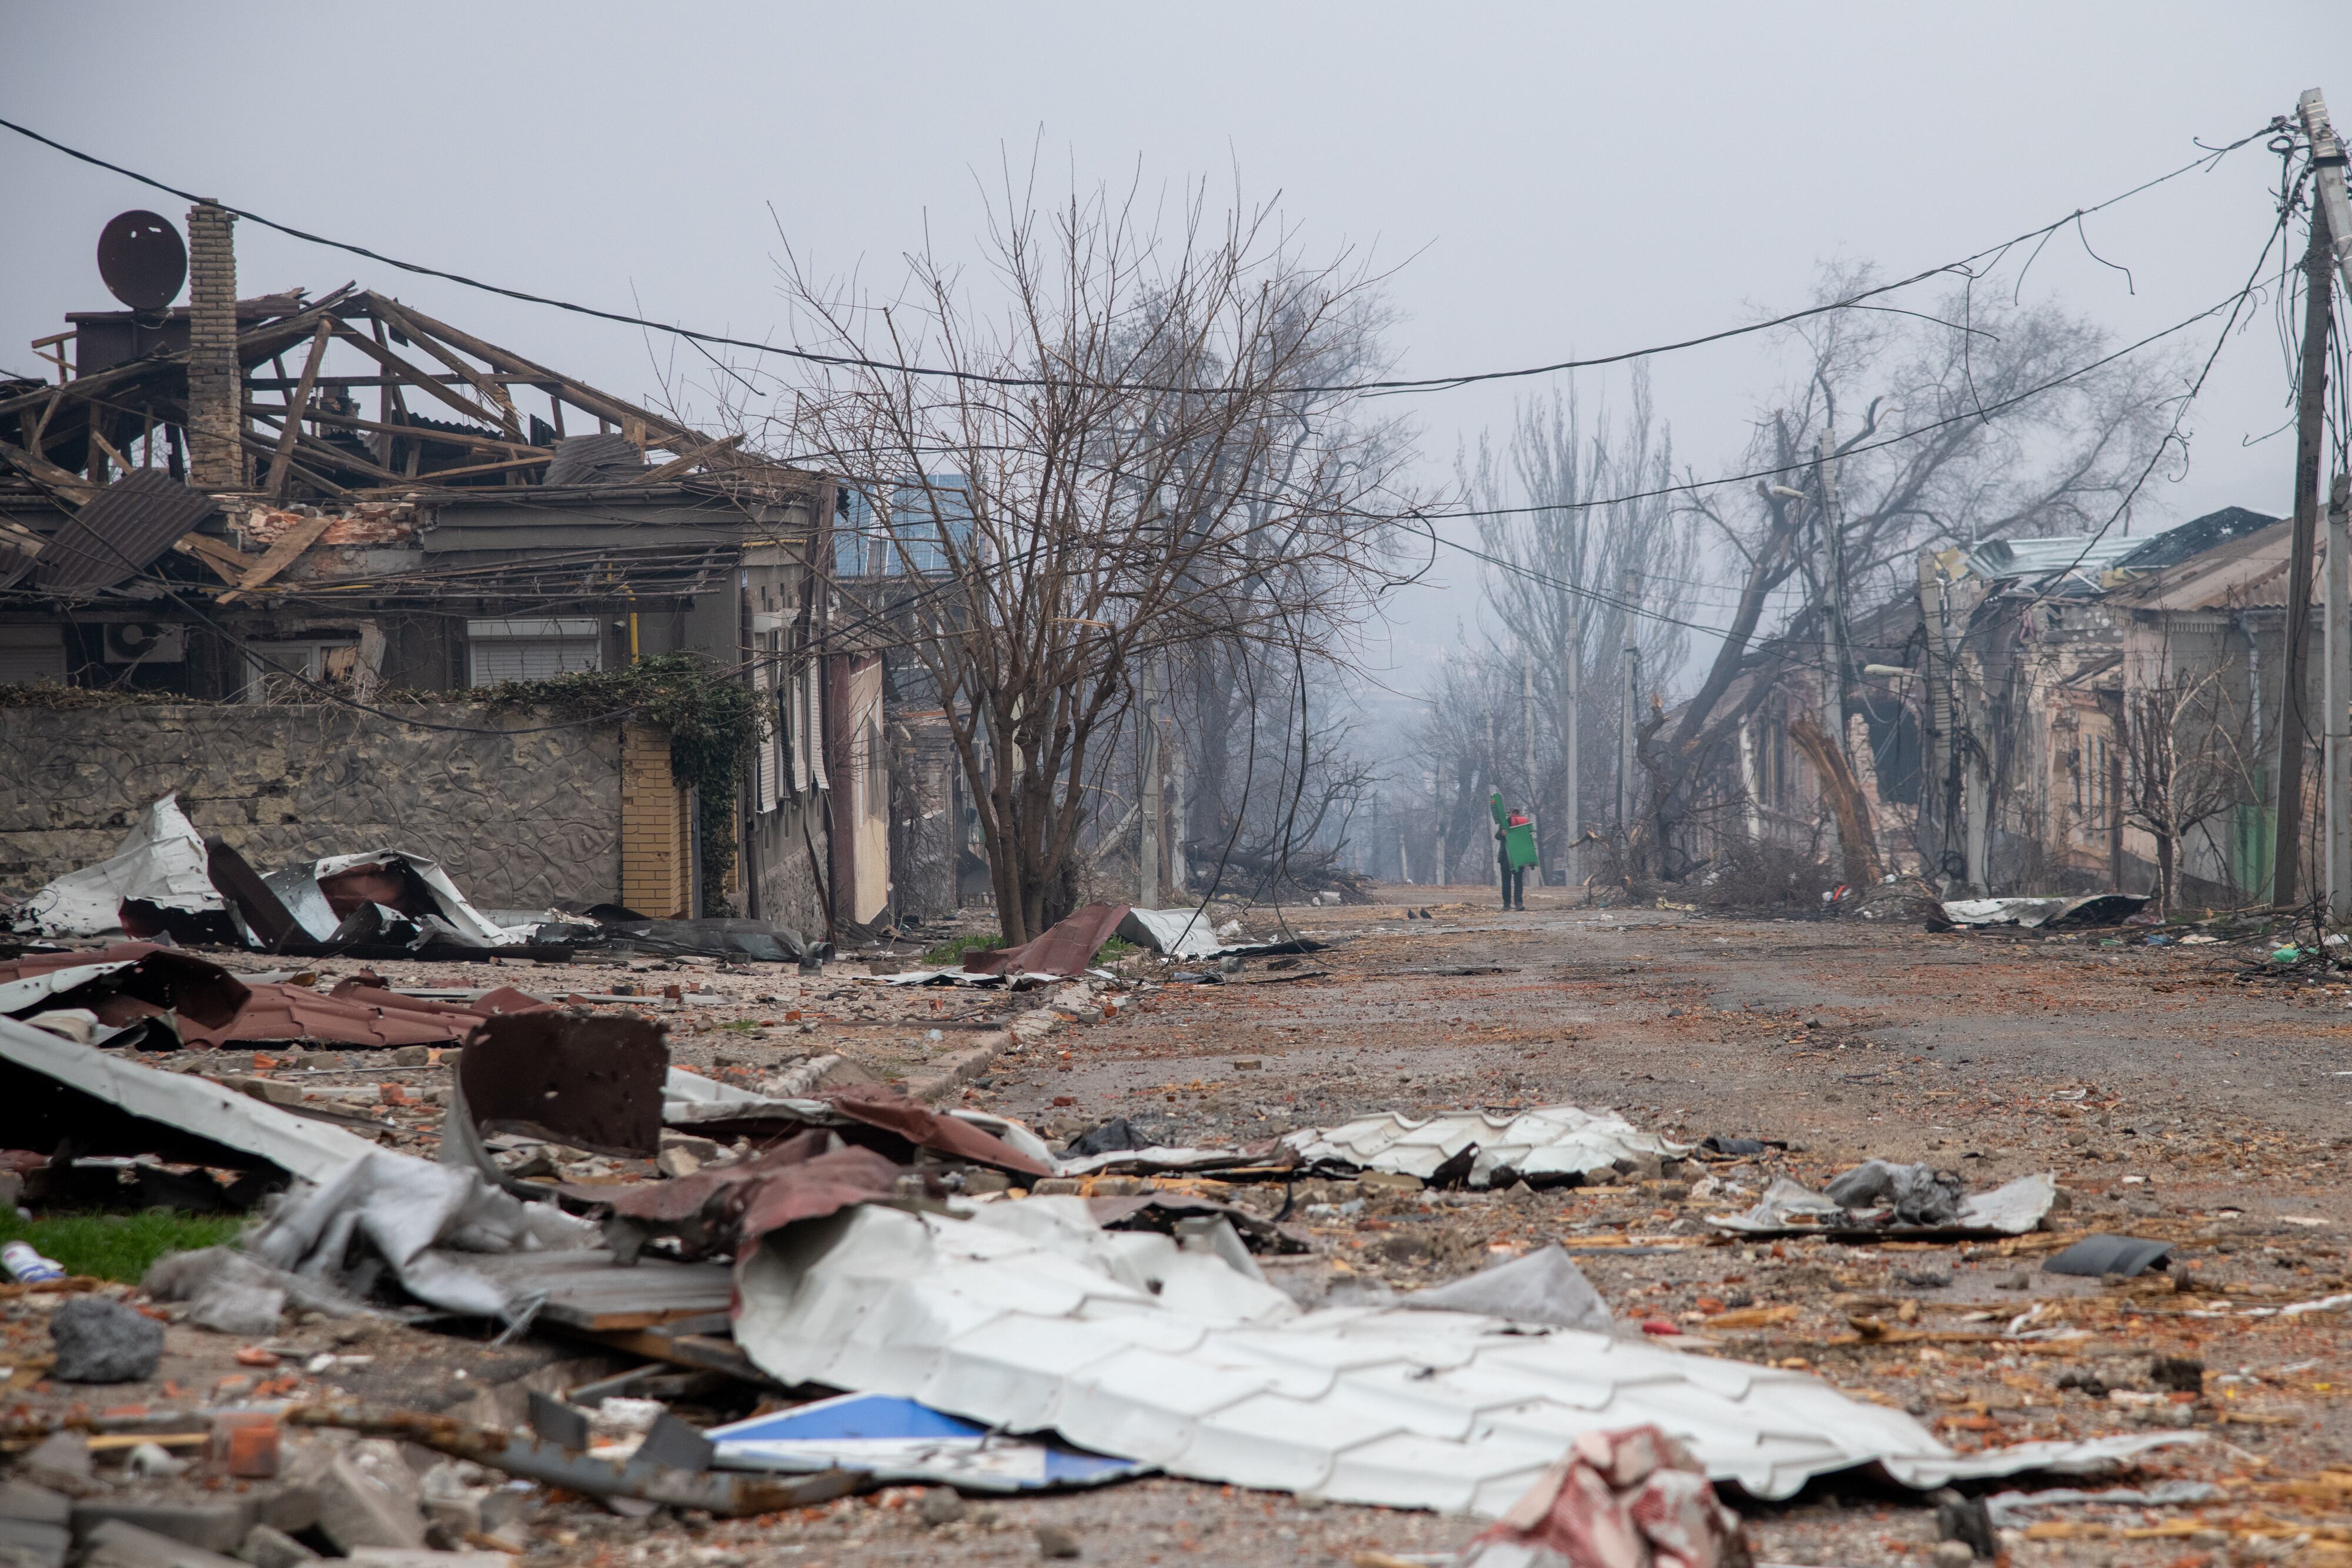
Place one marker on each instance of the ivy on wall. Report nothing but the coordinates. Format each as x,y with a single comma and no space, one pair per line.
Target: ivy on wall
713,717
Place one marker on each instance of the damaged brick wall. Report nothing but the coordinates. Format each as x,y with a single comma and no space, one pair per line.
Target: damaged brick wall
518,820
215,455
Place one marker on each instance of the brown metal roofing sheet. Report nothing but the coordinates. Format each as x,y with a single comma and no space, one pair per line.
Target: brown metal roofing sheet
120,532
1065,947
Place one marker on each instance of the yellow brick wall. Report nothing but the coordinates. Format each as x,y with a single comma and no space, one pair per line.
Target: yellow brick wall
656,836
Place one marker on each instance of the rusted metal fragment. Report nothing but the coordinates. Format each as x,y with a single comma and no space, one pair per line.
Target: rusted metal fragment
874,1115
725,1208
1065,947
881,1109
593,1083
199,991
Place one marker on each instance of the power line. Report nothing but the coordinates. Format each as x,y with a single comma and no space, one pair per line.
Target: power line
2233,305
2206,160
1974,411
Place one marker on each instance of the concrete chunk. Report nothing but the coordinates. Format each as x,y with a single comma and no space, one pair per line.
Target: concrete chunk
116,1543
25,1545
36,1505
99,1341
266,1548
368,1498
212,1526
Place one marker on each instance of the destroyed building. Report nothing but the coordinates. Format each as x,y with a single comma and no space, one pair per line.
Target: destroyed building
2054,715
302,540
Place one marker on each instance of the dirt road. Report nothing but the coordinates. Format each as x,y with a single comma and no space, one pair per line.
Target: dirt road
2181,1092
2190,1093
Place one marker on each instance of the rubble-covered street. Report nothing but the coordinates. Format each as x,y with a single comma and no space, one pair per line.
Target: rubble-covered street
1273,843
2182,1093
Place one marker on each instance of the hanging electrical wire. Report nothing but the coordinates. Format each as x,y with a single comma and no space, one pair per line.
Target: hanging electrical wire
2207,159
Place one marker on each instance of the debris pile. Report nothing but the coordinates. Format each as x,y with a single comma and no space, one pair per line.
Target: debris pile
739,1289
166,881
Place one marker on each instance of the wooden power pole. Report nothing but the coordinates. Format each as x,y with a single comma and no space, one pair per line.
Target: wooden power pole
2333,207
2311,434
1571,682
1147,848
1629,589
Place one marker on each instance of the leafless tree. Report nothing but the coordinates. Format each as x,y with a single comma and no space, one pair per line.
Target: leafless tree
1133,462
1563,569
2184,753
1975,420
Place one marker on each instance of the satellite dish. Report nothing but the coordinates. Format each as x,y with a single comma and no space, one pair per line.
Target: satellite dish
142,258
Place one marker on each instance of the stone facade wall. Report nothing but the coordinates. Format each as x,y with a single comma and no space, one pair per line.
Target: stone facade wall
923,780
516,818
781,865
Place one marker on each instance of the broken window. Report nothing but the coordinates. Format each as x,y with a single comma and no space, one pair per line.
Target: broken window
911,529
291,672
530,649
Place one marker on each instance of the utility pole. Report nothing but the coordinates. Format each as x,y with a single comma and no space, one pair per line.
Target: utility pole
1494,781
2311,433
1147,855
1173,819
1832,673
1833,646
1442,872
1527,736
2337,756
1629,589
2334,209
1572,681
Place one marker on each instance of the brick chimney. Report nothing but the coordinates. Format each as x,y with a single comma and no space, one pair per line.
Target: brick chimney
216,414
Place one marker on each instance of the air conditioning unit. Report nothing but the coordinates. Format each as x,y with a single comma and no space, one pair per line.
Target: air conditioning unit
145,642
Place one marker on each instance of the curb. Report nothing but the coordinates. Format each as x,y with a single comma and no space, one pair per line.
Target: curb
953,1071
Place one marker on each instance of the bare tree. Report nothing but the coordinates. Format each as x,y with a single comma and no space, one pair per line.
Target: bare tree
1563,570
1133,460
1979,422
2184,753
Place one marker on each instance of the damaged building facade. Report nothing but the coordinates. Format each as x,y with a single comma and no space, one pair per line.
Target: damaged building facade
306,547
2046,715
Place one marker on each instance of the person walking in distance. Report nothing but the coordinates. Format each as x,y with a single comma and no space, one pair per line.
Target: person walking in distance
1515,851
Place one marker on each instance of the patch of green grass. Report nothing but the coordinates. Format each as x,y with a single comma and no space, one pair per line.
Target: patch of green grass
1112,951
951,951
741,1026
119,1245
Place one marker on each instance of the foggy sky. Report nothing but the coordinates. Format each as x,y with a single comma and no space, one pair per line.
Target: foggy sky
1547,180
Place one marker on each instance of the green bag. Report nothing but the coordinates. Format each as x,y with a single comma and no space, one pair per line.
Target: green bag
1519,844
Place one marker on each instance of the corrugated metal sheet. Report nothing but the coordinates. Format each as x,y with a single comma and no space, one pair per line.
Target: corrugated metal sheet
594,460
121,532
1998,558
309,1149
2247,573
1028,1318
2192,539
1547,1141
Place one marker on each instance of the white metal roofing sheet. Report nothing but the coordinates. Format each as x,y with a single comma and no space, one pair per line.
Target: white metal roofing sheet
1021,1317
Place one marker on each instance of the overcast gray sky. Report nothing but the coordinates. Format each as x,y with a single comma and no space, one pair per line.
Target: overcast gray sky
1552,179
